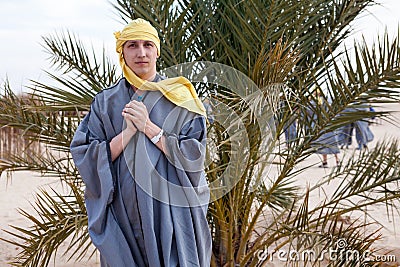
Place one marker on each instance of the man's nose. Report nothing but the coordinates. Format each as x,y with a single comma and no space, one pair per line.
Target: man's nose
141,51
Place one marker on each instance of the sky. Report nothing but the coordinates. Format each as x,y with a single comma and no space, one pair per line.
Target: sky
25,22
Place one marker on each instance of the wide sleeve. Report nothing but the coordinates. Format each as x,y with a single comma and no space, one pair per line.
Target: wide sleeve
187,150
90,150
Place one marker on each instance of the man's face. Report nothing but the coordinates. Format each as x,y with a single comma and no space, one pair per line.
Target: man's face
141,56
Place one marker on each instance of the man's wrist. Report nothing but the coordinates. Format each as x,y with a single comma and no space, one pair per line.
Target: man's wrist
128,133
153,132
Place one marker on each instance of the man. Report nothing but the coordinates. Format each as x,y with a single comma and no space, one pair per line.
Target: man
140,152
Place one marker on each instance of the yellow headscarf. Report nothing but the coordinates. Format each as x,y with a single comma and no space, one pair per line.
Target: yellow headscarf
179,90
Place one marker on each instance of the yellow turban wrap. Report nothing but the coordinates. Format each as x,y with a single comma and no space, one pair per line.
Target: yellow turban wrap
179,90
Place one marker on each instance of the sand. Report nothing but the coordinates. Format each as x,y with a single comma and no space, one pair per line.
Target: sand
18,192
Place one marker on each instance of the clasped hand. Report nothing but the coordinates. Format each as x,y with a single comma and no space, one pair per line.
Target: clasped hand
136,115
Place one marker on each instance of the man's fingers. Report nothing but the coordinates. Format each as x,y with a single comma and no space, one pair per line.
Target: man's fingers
135,104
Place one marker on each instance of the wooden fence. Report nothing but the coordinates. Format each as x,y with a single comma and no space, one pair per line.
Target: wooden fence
13,142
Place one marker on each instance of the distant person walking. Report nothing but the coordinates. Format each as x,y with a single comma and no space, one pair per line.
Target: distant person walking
327,143
363,133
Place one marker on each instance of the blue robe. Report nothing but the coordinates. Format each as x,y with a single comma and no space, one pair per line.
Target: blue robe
144,209
362,130
326,143
346,135
290,133
364,134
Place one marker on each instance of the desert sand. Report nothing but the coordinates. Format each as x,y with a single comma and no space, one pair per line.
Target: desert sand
18,192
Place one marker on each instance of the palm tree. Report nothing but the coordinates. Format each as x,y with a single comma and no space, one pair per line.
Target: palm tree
289,50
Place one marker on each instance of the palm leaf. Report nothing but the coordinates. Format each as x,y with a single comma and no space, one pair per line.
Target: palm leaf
60,219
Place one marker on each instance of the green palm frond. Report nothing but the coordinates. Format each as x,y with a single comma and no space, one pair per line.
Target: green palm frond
373,76
377,175
53,128
324,221
48,163
68,54
60,219
59,99
83,75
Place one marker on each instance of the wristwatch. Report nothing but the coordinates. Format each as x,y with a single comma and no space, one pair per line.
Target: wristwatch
157,137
